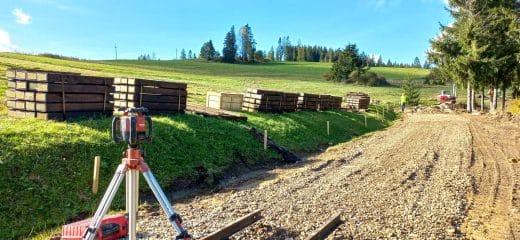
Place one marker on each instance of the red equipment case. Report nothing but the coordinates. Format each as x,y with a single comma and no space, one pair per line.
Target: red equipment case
112,227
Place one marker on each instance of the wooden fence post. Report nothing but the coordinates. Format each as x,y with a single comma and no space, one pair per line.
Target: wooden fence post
95,177
265,140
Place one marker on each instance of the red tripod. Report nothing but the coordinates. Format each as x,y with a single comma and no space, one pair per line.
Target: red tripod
134,127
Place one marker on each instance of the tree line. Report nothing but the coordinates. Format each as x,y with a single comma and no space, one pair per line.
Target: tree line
240,47
480,50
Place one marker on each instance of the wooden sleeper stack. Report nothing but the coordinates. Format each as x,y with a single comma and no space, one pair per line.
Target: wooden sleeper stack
258,100
57,95
157,96
308,102
357,100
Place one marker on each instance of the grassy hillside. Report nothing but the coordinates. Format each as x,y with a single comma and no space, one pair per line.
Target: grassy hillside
210,76
45,167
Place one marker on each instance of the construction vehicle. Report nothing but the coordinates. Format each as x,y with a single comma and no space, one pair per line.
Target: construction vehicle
446,98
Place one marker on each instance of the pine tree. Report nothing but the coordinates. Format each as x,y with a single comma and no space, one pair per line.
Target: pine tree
190,55
183,54
380,62
207,51
412,92
416,63
270,55
280,50
229,51
389,63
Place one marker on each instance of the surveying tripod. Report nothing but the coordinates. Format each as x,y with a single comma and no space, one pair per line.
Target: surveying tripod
134,128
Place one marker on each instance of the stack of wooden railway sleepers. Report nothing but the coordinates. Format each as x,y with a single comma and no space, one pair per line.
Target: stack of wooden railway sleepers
51,95
308,102
157,96
357,100
258,100
324,103
335,102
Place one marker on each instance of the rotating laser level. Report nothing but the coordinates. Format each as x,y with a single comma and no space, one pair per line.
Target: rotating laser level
133,127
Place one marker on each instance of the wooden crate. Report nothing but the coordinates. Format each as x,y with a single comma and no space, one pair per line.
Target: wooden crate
224,101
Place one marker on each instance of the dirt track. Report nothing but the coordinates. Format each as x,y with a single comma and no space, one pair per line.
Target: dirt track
417,180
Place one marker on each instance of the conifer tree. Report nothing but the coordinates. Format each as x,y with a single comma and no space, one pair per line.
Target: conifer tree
229,51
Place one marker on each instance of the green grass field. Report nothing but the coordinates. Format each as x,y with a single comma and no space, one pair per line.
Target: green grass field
209,76
45,168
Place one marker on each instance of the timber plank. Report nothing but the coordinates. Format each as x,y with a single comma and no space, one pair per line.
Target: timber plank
235,226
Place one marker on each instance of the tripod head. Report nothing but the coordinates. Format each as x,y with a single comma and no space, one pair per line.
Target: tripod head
133,127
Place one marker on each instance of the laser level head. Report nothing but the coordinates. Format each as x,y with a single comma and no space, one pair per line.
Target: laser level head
133,127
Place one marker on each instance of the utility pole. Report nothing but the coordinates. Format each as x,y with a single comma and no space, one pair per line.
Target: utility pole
115,47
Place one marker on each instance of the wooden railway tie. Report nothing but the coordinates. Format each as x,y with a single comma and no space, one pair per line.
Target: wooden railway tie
234,227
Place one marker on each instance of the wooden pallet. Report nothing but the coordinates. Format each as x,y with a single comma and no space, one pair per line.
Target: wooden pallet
214,112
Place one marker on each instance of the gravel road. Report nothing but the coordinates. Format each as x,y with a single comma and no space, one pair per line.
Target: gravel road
426,177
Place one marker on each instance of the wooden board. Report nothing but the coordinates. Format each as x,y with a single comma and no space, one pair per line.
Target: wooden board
150,83
329,226
234,227
149,97
54,116
57,87
72,107
213,112
262,91
149,90
151,105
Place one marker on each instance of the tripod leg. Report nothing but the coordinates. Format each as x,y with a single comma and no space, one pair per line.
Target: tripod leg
90,232
132,197
174,218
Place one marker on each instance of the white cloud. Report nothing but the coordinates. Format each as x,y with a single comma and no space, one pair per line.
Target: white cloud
5,42
21,16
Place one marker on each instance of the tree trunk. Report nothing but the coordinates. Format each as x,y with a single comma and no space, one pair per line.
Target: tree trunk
468,98
493,100
503,99
482,99
472,99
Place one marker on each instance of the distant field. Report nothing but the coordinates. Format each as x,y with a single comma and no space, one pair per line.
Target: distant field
209,76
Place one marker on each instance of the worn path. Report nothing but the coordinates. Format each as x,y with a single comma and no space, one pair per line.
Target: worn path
416,180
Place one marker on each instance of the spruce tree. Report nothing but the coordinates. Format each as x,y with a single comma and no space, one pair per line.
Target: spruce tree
229,51
183,54
412,92
416,63
270,55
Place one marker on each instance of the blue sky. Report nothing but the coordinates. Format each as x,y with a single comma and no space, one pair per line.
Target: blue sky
396,29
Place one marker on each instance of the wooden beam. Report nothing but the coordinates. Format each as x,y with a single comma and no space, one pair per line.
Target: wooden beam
326,229
235,227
